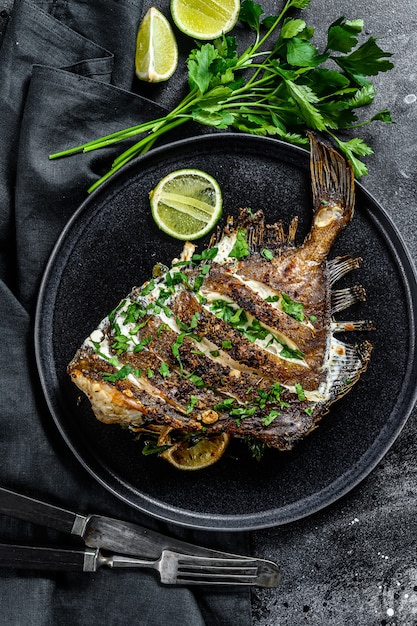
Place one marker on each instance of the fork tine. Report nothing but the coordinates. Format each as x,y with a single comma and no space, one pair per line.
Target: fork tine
175,568
217,580
200,570
210,562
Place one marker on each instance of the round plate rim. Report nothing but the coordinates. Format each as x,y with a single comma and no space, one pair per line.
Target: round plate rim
301,508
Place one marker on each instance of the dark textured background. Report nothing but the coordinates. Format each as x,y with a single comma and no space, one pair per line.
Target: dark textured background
355,562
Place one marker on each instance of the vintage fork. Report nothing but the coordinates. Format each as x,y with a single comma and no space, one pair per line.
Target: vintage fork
173,568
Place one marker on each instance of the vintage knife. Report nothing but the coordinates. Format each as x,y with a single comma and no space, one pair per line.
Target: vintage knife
107,533
97,531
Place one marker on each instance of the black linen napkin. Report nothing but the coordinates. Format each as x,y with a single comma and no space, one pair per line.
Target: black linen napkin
66,74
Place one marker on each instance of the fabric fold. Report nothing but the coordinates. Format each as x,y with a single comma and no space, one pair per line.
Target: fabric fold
66,76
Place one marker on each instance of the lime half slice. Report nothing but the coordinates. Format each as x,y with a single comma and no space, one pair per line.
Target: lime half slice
196,456
186,204
206,19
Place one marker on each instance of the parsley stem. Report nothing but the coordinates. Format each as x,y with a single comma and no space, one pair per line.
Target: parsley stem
272,27
141,147
282,90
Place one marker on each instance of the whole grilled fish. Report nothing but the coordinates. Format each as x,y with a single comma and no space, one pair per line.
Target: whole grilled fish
239,339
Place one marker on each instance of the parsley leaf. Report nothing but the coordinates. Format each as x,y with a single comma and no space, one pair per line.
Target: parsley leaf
199,61
192,403
342,35
250,13
292,308
122,373
281,85
355,147
240,249
268,419
267,254
367,60
300,392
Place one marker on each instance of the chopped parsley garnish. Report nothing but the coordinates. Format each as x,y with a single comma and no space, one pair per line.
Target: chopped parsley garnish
267,254
292,308
192,403
122,373
241,412
300,392
290,353
206,255
151,447
121,342
163,327
142,344
187,331
175,278
240,249
196,380
150,286
256,447
164,369
113,360
199,280
112,314
175,348
134,311
226,405
268,419
254,330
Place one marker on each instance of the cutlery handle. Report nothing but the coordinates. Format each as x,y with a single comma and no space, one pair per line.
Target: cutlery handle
31,510
51,559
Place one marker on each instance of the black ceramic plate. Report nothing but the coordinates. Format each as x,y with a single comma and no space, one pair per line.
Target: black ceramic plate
112,244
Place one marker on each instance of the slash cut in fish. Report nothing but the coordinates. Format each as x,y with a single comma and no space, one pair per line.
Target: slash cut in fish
238,340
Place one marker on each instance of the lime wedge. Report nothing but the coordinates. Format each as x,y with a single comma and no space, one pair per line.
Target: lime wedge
205,19
186,204
156,48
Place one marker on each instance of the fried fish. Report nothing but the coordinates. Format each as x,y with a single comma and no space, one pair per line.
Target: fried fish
240,339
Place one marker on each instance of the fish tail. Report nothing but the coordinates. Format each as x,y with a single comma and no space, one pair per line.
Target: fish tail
332,179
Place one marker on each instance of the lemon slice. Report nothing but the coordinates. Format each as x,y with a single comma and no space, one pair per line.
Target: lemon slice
156,48
186,204
184,456
205,19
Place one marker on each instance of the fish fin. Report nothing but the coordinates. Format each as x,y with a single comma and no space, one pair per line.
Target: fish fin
354,362
332,178
259,235
340,266
344,298
355,325
277,239
292,231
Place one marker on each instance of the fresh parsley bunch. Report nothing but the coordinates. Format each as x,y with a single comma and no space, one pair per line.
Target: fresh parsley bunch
280,86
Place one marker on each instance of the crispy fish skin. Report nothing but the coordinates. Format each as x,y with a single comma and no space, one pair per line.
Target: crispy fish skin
239,339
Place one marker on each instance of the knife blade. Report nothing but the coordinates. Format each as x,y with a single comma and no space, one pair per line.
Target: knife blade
99,531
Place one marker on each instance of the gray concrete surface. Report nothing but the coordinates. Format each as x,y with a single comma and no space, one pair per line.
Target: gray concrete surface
355,563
